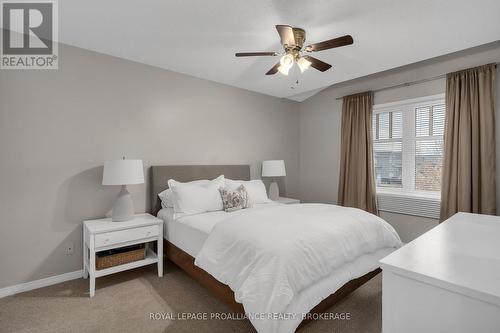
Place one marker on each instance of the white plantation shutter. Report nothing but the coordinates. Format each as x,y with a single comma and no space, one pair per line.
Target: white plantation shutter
408,155
438,119
422,121
397,125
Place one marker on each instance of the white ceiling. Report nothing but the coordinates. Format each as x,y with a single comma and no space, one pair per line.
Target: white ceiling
200,37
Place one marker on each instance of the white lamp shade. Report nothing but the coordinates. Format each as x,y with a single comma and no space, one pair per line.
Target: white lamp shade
273,168
123,172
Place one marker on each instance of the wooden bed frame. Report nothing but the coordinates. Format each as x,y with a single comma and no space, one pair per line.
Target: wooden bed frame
159,177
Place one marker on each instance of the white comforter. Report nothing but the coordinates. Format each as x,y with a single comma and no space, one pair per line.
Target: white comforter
269,255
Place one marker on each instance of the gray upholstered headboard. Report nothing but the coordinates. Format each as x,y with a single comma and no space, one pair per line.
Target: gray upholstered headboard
161,174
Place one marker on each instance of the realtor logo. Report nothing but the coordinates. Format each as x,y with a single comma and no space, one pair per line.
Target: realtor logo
29,34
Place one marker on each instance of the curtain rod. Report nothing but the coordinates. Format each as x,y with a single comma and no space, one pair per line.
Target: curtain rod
407,84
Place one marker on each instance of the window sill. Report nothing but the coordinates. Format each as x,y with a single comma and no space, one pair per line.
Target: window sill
416,204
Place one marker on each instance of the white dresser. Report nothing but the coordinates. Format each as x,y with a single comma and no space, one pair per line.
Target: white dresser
447,280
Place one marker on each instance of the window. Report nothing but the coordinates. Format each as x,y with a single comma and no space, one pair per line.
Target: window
408,155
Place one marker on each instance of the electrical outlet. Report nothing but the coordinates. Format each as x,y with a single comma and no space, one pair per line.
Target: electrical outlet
69,248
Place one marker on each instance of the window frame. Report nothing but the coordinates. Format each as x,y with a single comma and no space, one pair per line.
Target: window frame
407,192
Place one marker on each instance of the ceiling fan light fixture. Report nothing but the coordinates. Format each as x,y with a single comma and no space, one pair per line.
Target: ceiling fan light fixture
286,61
283,70
303,64
292,40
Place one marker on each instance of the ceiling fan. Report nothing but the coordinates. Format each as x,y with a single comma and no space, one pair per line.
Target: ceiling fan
293,39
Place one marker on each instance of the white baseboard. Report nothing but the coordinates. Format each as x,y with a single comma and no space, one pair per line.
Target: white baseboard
19,288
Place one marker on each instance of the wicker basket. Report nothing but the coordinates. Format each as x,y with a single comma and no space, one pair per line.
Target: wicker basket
107,260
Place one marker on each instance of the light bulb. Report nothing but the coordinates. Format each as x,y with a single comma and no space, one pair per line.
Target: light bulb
303,64
283,70
286,61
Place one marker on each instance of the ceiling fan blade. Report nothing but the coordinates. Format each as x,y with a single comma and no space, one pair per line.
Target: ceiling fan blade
318,64
255,54
273,70
330,44
286,34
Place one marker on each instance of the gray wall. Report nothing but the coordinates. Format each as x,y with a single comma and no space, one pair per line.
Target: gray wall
58,127
320,118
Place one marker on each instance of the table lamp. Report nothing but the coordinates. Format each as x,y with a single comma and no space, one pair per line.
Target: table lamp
273,168
123,172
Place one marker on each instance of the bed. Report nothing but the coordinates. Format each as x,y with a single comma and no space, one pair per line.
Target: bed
186,240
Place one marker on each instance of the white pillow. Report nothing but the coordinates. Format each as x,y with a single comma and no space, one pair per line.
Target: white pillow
191,199
256,189
166,196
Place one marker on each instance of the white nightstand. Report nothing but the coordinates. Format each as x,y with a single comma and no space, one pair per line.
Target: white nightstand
287,201
103,234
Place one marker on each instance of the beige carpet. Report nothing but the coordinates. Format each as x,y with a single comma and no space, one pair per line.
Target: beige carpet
124,301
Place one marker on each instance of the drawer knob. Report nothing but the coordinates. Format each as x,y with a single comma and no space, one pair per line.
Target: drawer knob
106,240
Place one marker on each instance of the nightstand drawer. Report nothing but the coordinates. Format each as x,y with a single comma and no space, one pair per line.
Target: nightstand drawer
128,235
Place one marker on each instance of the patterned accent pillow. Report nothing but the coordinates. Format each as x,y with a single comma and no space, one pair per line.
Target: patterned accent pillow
234,200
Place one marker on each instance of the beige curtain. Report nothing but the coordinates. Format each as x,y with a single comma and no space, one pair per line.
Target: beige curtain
468,179
357,182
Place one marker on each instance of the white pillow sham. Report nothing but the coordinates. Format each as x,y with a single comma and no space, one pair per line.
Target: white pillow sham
256,189
191,199
166,196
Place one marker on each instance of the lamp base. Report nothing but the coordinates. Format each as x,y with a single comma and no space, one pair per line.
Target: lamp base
274,191
123,209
